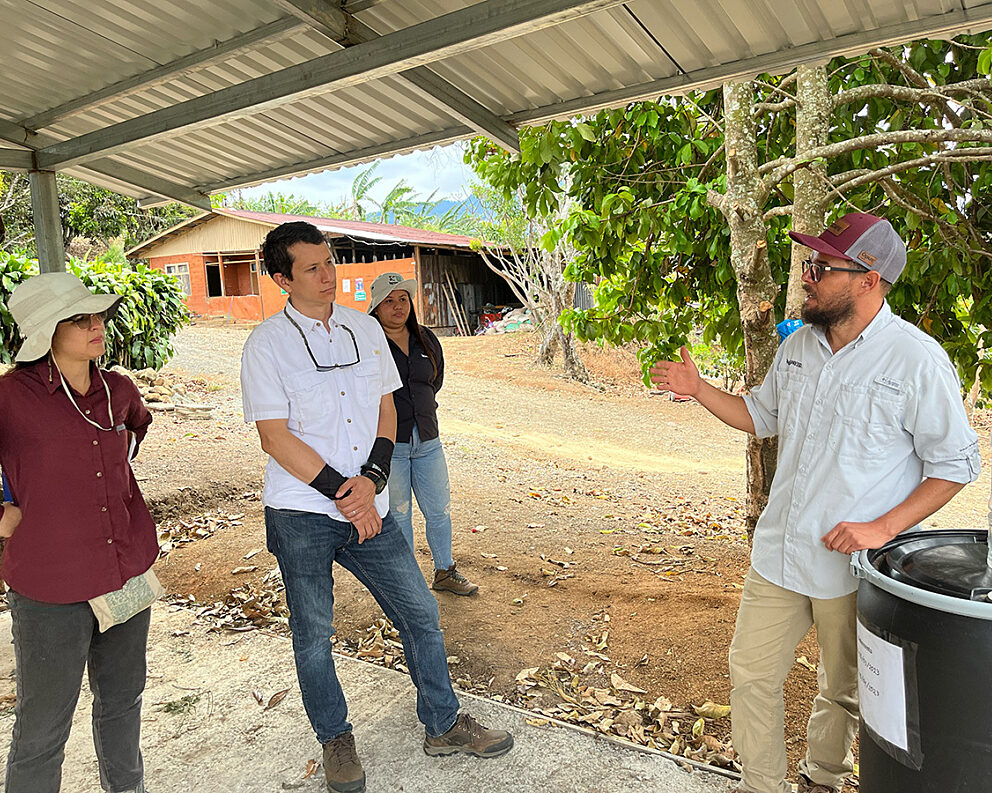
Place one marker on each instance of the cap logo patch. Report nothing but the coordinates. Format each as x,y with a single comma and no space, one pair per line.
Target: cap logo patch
867,258
838,227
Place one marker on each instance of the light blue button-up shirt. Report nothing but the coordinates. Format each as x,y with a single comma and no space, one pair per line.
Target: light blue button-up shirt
858,430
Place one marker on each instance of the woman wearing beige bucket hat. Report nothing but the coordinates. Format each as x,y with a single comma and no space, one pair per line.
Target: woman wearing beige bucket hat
418,463
80,542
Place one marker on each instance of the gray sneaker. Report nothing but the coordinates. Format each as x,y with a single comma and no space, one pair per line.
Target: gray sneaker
469,737
342,768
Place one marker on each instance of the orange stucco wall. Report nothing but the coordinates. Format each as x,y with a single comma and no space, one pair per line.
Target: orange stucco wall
272,298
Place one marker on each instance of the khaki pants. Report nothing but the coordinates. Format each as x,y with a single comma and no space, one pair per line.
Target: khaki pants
770,624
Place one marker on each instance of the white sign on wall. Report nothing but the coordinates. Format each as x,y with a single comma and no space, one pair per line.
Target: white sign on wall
882,687
345,284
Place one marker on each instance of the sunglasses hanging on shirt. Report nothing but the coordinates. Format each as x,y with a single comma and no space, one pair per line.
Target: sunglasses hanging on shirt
321,367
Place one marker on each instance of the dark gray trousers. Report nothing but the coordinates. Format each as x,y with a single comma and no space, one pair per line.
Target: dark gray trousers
53,644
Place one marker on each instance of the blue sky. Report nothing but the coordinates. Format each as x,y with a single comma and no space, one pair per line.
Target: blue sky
440,169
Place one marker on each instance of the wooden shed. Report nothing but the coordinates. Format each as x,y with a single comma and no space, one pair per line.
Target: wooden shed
217,258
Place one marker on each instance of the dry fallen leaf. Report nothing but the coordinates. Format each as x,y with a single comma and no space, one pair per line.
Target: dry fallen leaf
711,710
258,696
622,685
312,766
276,698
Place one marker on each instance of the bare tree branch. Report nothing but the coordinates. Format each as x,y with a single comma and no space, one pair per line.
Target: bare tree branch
913,77
783,167
863,177
938,95
777,212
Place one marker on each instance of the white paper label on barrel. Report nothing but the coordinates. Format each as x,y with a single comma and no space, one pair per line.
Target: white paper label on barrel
882,687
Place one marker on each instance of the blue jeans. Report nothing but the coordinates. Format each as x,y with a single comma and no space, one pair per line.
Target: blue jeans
53,643
306,545
420,466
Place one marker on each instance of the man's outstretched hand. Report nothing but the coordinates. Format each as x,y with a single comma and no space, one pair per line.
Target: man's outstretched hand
680,377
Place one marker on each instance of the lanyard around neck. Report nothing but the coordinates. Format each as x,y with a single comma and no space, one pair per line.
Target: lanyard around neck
106,388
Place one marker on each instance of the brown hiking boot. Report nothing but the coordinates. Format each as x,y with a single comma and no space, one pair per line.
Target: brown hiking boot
807,785
451,580
342,768
469,737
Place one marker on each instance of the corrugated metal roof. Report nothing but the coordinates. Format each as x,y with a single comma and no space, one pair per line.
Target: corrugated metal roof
357,229
178,99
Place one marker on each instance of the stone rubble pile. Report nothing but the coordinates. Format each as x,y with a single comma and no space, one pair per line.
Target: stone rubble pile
165,392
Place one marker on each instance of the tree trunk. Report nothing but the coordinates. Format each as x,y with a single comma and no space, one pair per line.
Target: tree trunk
812,130
756,288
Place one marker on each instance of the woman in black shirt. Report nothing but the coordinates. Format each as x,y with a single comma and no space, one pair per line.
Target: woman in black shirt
418,463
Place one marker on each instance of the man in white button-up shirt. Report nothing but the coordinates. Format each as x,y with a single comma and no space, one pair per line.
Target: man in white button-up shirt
873,438
317,381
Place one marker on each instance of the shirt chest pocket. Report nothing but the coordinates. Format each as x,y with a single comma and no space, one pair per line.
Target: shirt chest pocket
310,404
367,386
791,387
866,423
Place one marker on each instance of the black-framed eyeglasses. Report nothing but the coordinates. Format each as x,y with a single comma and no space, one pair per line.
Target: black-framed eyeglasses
321,367
816,269
85,321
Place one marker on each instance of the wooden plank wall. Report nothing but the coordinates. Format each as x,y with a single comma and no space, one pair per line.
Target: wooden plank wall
477,284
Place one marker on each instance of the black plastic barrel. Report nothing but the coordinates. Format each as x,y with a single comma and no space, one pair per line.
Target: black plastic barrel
925,664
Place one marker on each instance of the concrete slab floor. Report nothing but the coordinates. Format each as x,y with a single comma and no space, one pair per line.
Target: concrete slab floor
221,739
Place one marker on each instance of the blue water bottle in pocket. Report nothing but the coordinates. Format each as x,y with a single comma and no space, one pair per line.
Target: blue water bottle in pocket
6,489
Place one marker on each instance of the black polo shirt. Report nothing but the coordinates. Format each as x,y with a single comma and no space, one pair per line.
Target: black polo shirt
415,401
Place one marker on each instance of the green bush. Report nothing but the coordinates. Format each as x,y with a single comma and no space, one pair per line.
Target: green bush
139,336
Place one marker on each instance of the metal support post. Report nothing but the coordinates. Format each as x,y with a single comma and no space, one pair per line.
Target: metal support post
47,223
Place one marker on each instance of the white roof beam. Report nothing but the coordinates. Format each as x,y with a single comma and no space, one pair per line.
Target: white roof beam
460,31
325,17
221,51
141,181
354,6
459,105
15,160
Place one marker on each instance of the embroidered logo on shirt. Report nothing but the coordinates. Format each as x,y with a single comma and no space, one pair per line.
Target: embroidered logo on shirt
791,362
867,258
888,382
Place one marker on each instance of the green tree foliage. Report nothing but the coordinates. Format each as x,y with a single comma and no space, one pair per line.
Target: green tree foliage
140,334
85,211
909,138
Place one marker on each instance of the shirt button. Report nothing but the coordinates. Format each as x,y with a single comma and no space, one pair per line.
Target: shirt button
349,421
342,393
87,412
99,473
103,509
110,542
96,443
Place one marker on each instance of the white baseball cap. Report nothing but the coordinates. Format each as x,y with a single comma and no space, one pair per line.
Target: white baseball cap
386,283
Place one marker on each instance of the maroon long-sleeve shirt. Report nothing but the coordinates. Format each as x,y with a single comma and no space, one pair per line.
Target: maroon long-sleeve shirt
85,529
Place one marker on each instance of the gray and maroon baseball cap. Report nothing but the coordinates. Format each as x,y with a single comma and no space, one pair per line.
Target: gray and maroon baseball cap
865,239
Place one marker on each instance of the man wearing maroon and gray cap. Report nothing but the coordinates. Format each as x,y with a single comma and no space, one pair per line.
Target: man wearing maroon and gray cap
873,439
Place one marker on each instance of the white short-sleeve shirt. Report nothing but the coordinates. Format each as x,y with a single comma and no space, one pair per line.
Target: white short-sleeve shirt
857,432
336,413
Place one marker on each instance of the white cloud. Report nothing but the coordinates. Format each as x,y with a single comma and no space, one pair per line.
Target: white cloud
440,169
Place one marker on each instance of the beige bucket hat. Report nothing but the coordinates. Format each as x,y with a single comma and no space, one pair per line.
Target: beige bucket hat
386,283
42,301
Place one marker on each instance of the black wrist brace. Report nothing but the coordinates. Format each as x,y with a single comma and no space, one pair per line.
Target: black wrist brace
380,457
328,482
